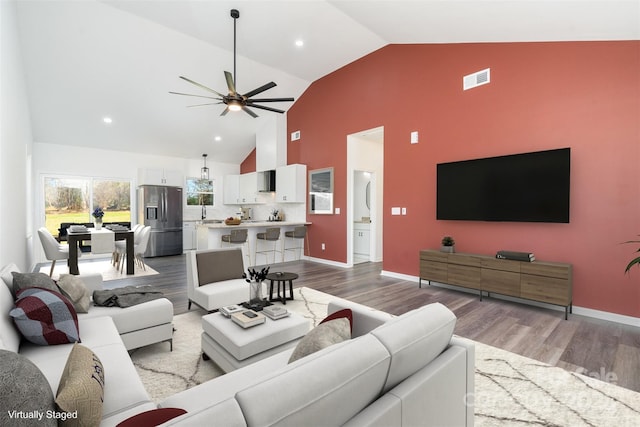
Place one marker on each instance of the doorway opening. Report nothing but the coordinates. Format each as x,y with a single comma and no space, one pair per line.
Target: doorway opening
365,177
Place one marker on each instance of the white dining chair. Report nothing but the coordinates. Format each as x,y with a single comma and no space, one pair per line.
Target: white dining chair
121,245
53,250
140,243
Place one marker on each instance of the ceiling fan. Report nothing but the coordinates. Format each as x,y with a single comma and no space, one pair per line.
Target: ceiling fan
234,100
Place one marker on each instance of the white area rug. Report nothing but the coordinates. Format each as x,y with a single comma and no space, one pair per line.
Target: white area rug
102,266
510,390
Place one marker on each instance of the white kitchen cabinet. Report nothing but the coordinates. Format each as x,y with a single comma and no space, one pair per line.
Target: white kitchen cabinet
231,192
167,177
291,184
189,238
241,189
361,239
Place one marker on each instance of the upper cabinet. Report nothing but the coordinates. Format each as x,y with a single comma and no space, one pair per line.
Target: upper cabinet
167,177
291,184
241,189
271,142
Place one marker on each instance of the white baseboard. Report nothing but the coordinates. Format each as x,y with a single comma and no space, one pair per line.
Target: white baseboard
582,311
328,262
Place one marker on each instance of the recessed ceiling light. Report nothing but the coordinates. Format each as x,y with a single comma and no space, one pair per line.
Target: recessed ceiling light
107,120
299,42
217,138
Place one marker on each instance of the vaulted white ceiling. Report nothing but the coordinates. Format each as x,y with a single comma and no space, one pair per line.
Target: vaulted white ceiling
89,59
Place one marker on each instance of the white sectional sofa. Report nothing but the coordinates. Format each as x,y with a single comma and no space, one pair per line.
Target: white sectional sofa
109,332
408,371
403,371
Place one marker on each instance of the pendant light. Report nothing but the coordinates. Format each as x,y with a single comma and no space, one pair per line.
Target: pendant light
204,171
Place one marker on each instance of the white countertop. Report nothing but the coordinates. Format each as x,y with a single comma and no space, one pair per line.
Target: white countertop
255,224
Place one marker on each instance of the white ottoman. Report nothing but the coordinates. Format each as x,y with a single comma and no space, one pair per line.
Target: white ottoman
232,347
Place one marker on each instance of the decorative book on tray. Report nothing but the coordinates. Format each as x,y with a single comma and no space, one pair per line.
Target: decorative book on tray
248,318
275,312
228,310
78,229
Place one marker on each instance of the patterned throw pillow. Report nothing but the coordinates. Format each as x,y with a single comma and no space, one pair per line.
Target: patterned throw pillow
76,291
323,335
23,390
31,280
81,389
45,317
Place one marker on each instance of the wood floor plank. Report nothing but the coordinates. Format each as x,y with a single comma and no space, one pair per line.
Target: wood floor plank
579,343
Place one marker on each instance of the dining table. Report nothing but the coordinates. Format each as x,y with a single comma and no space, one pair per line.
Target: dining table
73,238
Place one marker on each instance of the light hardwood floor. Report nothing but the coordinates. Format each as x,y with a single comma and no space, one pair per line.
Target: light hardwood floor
605,350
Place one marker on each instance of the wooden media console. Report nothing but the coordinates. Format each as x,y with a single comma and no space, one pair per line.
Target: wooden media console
546,282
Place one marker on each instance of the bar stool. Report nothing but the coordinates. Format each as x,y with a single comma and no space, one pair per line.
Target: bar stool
300,234
238,236
270,235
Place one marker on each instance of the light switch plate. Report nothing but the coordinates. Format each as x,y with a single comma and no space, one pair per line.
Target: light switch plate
337,211
404,211
395,211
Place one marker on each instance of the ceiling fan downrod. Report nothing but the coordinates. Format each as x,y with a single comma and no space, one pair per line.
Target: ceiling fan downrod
235,14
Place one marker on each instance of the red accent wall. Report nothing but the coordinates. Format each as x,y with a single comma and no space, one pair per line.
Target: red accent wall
249,163
583,95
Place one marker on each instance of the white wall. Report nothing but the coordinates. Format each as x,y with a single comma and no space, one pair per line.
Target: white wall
15,146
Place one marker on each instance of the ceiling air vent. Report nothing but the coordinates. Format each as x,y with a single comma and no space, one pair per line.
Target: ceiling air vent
476,79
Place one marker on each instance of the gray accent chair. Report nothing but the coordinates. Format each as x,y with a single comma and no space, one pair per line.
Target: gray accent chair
214,278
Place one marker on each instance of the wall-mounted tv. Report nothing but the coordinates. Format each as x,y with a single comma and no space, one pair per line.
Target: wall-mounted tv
528,187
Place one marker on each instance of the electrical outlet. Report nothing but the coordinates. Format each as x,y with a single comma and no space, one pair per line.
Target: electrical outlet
323,247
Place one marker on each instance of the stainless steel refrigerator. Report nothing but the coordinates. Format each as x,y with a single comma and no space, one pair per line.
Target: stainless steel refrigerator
161,208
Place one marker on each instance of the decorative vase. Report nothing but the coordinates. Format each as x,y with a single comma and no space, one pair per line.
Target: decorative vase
255,292
97,224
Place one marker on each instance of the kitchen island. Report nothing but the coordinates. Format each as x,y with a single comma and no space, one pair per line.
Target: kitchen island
210,237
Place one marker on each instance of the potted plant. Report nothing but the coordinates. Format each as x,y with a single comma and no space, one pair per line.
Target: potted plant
635,261
448,244
97,214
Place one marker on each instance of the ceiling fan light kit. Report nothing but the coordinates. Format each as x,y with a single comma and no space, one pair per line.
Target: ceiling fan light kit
235,101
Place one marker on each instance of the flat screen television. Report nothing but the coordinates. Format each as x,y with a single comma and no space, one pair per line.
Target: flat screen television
528,187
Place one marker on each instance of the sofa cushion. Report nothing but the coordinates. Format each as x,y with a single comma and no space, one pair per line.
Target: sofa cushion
31,280
45,317
134,318
75,290
23,389
414,339
81,389
316,387
322,336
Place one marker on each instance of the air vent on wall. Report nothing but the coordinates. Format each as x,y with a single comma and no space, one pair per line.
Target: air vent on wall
476,79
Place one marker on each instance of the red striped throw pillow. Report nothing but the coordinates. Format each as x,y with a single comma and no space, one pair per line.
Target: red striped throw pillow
45,317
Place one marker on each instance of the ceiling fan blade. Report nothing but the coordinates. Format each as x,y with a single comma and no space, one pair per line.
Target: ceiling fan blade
249,112
188,94
272,100
200,105
224,113
262,107
259,90
201,86
230,84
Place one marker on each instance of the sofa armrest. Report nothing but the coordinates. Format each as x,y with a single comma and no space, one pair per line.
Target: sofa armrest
365,319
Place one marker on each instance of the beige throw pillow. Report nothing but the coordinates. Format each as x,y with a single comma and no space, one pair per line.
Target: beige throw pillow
322,336
74,288
81,389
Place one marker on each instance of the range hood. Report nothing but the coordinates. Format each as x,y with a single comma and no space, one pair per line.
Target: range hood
267,181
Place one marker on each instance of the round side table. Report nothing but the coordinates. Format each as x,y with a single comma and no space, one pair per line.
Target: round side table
280,278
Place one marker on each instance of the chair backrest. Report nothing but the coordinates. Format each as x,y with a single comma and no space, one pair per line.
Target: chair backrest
300,232
137,229
141,246
272,233
239,235
50,244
